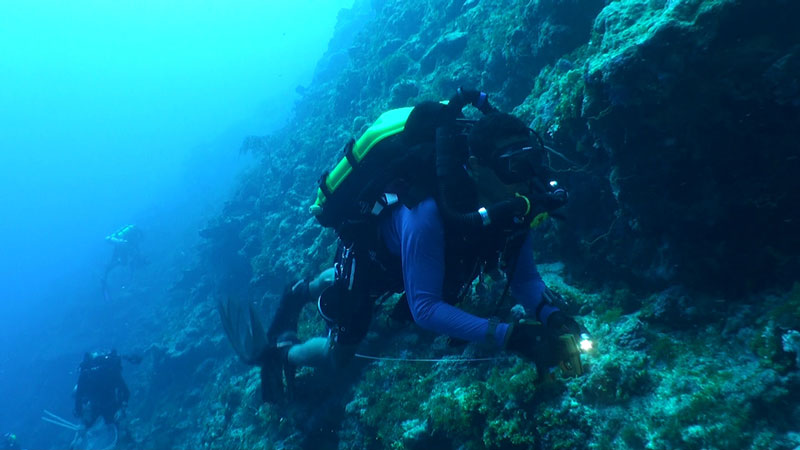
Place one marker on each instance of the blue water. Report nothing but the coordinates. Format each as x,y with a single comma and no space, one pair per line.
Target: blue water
114,113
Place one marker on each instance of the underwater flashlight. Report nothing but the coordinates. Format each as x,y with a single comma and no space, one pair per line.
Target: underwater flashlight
586,343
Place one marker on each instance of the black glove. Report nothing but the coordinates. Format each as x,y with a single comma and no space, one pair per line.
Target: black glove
473,97
554,298
561,324
535,342
549,201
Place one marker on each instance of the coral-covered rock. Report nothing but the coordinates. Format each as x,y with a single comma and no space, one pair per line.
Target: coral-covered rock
449,47
673,307
683,98
673,125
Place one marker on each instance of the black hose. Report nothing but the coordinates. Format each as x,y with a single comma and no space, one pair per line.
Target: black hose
472,97
448,165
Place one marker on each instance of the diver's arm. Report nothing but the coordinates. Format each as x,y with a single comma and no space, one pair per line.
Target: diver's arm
527,285
320,283
115,239
78,407
79,394
420,234
125,393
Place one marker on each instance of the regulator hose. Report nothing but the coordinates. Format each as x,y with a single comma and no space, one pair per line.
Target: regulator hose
448,164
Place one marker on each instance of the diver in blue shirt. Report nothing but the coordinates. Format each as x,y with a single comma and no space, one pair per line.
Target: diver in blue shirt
432,250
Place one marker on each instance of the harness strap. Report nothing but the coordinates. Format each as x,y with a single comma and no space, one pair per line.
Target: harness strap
323,184
384,201
348,153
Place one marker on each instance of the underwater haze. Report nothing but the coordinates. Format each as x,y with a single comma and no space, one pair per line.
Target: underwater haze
667,280
114,113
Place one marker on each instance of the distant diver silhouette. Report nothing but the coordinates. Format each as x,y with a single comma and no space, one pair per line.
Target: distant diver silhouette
126,253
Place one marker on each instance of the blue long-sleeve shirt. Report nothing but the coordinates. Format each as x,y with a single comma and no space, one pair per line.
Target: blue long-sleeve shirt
417,236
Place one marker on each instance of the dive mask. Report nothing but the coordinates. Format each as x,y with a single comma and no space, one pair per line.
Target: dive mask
518,163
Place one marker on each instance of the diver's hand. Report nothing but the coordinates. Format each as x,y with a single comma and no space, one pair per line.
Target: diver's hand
476,98
120,414
560,323
535,342
554,298
545,347
549,201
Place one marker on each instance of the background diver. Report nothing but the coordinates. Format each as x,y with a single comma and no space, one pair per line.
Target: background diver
101,391
127,252
9,442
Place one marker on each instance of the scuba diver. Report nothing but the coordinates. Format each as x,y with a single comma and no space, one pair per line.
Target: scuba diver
127,252
101,391
9,442
427,234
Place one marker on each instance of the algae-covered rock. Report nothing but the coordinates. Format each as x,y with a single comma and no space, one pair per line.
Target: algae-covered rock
679,95
448,47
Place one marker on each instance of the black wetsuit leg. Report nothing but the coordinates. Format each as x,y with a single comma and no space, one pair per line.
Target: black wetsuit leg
294,297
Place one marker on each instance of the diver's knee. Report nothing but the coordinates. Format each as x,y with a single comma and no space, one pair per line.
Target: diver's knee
321,352
341,355
313,352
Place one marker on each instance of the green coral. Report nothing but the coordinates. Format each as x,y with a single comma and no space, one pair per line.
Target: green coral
401,389
516,383
783,313
617,379
611,315
510,431
457,412
396,65
702,417
664,349
557,99
787,313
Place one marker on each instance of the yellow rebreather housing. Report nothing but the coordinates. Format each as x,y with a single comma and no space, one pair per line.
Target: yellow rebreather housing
388,124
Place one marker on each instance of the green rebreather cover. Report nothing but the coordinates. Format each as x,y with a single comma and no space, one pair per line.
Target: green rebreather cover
388,124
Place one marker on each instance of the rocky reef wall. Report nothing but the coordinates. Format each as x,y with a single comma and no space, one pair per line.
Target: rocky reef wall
674,125
695,105
676,119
